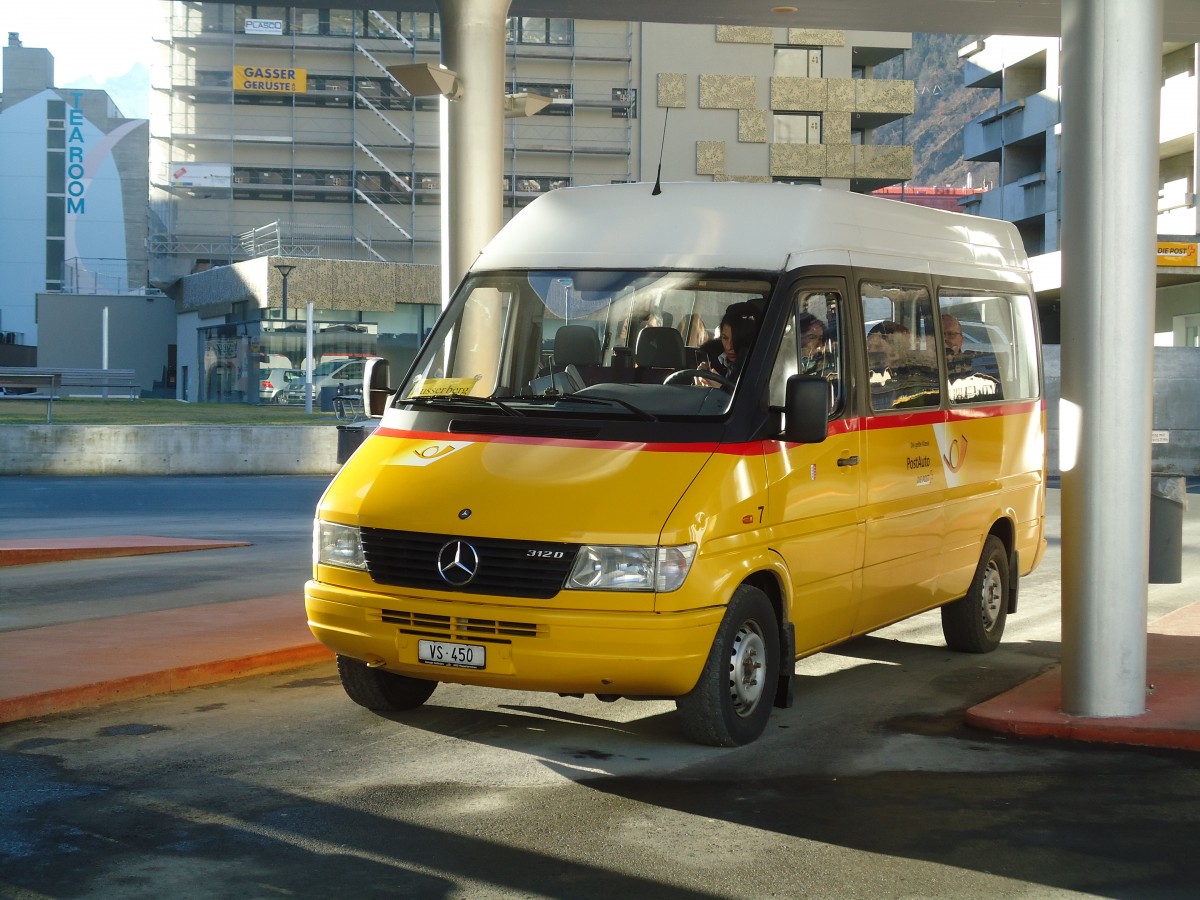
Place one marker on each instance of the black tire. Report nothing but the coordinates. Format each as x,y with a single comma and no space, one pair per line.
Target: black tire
731,701
379,690
975,623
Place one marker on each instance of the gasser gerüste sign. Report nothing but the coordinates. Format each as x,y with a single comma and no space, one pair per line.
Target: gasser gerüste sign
270,79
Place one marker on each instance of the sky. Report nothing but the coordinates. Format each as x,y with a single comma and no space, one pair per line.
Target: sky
94,44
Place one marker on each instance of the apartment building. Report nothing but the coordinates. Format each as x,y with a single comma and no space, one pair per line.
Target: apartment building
1023,134
773,104
280,133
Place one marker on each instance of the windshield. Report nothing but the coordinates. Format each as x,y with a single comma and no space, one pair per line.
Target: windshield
592,343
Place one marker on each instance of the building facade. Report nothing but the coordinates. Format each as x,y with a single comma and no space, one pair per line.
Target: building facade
1022,134
772,104
72,194
279,133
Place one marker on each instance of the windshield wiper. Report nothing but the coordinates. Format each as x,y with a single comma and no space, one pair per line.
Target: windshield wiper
636,410
455,399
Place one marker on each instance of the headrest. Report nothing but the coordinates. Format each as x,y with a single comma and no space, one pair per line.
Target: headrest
659,347
576,345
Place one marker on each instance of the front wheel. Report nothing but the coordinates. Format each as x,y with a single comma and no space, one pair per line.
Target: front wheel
975,622
731,701
379,690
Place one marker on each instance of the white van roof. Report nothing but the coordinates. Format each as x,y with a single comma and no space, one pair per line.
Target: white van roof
758,227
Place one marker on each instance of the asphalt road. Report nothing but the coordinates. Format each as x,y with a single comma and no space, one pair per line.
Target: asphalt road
273,513
870,786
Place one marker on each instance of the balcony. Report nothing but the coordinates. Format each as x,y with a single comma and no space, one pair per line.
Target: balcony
1014,122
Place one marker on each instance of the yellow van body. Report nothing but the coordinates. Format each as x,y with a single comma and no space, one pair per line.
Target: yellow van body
887,517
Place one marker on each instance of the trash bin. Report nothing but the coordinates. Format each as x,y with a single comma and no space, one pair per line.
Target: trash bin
348,439
1168,500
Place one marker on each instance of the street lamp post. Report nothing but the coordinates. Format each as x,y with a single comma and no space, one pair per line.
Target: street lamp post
285,270
308,358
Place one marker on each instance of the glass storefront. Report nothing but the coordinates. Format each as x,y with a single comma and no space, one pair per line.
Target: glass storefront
262,361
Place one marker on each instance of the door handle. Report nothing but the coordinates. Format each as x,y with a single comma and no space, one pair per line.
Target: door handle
848,461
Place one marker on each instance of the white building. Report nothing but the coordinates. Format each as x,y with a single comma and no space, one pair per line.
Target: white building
1022,133
72,194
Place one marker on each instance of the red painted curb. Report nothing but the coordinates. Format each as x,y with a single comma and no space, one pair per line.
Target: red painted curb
144,685
31,551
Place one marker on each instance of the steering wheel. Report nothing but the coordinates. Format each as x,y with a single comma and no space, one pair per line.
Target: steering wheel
698,373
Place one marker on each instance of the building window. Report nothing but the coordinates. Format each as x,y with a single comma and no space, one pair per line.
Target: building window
422,26
624,103
56,217
553,91
538,30
54,262
799,62
797,128
56,175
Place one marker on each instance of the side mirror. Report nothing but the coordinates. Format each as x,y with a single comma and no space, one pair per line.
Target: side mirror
806,409
376,390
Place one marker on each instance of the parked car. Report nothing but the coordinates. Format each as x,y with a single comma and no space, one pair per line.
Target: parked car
273,384
344,373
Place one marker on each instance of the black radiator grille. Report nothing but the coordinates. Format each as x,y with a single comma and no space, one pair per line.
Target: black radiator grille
531,569
458,628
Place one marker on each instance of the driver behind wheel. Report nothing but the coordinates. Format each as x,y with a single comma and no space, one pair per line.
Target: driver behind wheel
739,328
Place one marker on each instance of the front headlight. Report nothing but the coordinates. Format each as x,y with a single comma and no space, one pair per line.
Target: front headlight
659,569
338,545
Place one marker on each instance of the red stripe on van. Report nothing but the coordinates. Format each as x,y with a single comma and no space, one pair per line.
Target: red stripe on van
696,447
746,448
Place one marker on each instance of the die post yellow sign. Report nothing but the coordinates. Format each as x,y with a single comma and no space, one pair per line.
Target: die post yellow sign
1176,253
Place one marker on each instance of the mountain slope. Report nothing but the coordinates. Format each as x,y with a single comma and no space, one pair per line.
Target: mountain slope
943,107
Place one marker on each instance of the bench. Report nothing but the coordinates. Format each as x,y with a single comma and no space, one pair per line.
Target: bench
51,384
41,386
120,380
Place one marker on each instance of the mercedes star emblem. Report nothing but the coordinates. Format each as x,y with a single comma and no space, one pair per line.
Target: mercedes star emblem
458,563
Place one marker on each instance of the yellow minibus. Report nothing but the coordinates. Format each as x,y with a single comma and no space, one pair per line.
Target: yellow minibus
664,445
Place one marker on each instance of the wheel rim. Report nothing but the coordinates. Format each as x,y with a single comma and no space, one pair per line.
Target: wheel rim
747,664
991,596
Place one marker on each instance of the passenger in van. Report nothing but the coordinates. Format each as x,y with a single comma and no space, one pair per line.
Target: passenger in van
816,355
651,319
694,333
965,381
883,354
627,336
739,328
958,364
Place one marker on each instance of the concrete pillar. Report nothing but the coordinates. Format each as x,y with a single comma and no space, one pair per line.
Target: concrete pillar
1111,63
473,43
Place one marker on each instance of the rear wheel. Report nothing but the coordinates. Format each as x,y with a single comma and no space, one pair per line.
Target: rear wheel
975,623
731,702
379,690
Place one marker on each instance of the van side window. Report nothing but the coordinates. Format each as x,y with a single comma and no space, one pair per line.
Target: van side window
989,341
902,358
811,344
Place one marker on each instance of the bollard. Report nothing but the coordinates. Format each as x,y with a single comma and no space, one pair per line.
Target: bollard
1168,500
